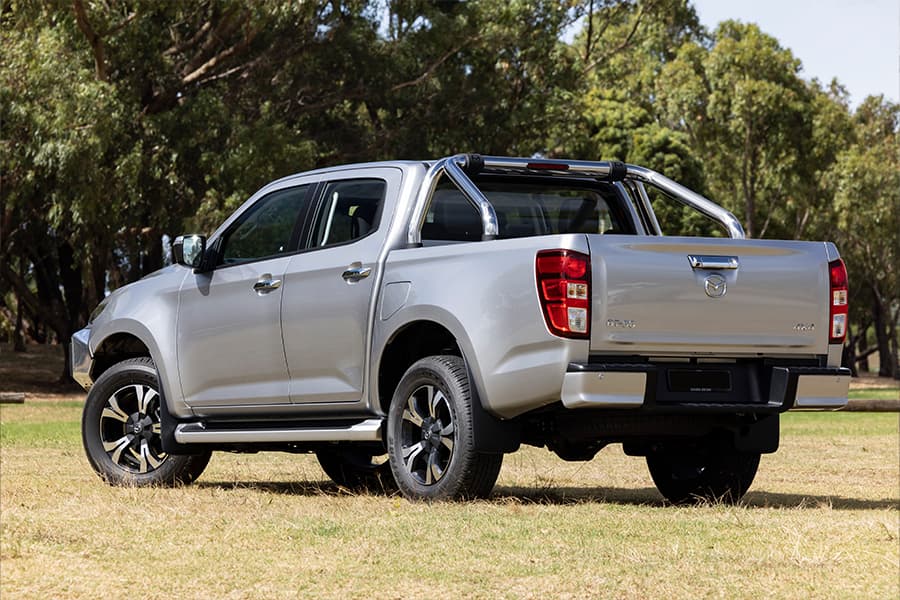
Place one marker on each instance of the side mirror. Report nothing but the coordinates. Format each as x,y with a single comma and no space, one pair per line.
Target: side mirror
188,250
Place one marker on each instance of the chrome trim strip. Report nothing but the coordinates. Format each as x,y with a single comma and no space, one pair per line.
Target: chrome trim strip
690,198
195,433
490,226
645,201
451,167
630,206
824,392
603,389
713,262
567,167
423,199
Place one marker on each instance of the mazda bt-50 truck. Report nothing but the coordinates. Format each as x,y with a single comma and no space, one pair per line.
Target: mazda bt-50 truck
412,322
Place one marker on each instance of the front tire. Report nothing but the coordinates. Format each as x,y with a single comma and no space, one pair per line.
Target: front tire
121,427
430,434
712,476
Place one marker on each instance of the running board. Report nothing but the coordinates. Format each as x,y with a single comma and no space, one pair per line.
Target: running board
197,433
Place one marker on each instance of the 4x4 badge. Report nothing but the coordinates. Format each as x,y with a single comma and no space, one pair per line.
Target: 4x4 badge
714,286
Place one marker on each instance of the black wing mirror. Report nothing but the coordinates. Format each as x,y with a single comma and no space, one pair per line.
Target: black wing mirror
188,250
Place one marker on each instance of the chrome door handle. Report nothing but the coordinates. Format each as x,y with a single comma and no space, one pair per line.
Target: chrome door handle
356,272
266,284
713,262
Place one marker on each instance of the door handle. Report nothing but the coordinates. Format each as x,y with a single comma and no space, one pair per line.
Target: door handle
713,262
355,272
266,284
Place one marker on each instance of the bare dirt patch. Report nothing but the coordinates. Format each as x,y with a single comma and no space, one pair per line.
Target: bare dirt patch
35,372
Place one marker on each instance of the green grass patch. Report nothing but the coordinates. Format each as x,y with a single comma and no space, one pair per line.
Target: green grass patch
838,424
876,394
49,433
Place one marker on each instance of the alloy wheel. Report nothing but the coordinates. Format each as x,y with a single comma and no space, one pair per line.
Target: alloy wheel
427,434
130,429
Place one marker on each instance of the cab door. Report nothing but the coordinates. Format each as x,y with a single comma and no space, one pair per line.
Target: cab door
230,351
329,287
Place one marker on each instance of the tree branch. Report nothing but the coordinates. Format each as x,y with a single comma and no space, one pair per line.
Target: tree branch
624,44
94,39
222,56
431,68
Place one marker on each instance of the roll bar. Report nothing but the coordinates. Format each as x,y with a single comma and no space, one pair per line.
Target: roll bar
458,168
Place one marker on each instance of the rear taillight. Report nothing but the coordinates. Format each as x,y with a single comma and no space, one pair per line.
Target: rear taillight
564,287
837,307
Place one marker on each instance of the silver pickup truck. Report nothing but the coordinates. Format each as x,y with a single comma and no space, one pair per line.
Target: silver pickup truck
411,322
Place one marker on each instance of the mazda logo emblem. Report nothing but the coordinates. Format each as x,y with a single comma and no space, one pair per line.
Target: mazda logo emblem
714,286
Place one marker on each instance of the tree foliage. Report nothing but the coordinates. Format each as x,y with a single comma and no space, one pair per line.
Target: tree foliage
124,121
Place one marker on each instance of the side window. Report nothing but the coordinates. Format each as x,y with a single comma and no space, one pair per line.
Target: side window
350,209
268,228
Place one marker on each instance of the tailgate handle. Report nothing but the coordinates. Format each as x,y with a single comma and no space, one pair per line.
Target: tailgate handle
713,262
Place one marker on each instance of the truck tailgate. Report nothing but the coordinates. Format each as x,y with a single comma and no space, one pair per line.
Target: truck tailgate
682,296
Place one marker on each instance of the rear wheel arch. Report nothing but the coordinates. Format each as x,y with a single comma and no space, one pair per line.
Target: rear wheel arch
421,339
412,342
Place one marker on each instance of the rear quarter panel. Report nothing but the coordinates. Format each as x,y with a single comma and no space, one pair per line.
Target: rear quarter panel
484,293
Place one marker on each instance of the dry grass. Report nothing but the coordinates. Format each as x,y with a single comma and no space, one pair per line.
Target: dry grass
820,521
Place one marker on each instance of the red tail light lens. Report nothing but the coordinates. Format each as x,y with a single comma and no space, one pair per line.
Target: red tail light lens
837,305
564,287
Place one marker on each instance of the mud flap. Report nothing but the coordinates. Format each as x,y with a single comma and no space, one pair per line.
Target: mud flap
761,436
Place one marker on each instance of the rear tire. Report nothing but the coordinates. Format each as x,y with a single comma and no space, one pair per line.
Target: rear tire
357,469
430,434
685,478
120,430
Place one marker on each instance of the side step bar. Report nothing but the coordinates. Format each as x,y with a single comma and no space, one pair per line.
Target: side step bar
198,433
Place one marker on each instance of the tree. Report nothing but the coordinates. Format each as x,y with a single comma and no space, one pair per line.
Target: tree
866,177
747,111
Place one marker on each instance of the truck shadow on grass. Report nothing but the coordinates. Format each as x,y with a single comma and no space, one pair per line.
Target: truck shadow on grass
650,497
565,496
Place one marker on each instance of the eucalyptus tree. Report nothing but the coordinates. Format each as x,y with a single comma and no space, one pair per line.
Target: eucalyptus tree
866,178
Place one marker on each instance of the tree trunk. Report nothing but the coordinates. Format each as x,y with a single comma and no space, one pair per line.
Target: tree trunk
152,255
66,375
894,342
848,359
863,345
18,337
886,362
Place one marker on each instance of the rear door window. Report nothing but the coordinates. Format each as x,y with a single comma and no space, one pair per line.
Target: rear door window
349,209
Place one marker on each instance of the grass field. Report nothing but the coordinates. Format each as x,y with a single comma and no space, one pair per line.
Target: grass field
822,520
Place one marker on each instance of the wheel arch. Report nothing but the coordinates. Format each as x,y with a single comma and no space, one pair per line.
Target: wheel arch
419,338
114,349
409,343
121,339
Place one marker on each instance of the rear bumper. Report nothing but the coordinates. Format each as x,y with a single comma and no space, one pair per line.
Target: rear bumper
643,387
81,358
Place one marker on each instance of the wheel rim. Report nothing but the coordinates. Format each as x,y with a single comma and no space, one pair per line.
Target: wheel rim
427,435
130,429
